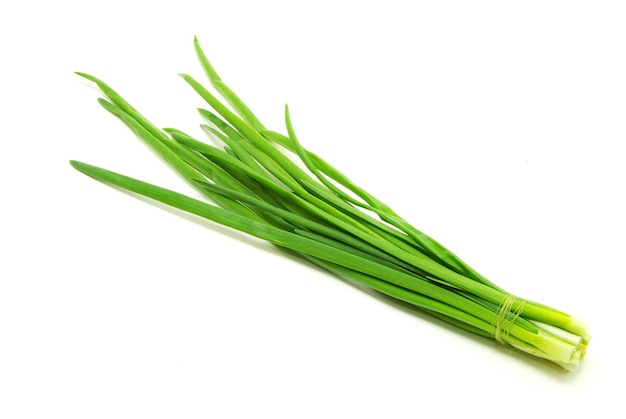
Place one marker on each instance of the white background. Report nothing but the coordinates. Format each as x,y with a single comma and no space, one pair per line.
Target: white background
496,127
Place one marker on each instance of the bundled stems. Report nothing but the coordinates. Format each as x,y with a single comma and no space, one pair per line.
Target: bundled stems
256,187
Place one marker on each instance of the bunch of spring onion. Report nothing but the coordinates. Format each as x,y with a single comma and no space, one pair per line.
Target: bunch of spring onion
254,186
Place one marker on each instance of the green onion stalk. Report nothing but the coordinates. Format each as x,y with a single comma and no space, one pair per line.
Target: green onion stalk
254,184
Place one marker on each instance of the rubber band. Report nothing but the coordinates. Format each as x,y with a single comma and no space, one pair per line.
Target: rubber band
506,317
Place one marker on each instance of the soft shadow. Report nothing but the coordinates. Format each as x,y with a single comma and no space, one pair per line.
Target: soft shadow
548,368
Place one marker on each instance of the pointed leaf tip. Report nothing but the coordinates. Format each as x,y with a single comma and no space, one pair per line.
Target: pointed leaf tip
80,166
109,106
86,76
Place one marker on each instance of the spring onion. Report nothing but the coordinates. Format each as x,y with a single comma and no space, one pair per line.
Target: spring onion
253,184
